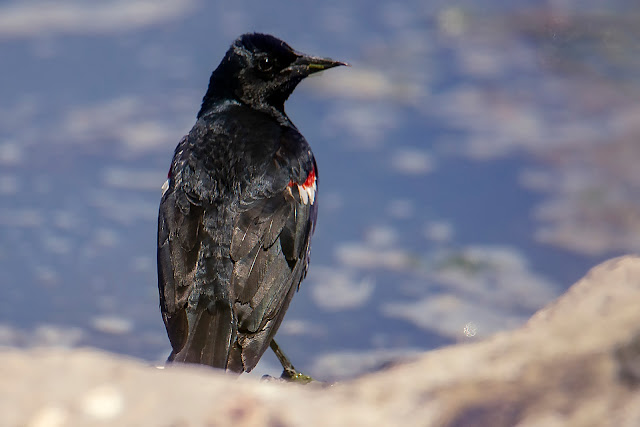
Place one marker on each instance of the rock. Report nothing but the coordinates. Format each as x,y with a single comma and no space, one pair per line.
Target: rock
575,363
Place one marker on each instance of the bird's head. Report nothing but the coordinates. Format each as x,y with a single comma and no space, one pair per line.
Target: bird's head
262,71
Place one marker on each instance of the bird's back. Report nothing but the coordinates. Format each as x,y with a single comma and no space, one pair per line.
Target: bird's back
227,268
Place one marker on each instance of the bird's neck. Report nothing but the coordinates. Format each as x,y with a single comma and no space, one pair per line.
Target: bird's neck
218,104
276,113
223,89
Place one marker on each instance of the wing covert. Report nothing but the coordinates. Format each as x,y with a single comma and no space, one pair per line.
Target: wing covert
270,249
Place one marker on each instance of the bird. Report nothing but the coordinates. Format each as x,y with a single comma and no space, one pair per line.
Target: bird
238,211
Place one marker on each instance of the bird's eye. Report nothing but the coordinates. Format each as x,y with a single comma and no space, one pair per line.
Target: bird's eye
265,64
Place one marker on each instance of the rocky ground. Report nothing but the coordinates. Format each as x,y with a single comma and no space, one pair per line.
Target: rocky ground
575,363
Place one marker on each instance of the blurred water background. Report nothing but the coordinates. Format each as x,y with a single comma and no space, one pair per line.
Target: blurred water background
476,159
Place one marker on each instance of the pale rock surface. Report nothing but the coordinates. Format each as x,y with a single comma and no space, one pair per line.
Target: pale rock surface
575,363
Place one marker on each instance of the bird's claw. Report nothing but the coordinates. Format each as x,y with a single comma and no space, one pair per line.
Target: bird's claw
296,377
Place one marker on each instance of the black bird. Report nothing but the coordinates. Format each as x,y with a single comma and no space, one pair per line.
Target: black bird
238,210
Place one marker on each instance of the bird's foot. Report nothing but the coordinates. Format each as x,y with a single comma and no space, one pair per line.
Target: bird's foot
289,372
296,377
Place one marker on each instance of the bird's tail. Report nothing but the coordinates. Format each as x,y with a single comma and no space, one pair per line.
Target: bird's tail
211,334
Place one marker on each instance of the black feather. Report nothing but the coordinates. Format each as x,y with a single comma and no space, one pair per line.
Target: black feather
233,227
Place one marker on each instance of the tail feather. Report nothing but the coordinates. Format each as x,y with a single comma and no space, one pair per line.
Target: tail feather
211,334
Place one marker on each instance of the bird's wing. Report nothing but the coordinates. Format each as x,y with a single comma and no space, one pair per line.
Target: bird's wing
269,248
194,296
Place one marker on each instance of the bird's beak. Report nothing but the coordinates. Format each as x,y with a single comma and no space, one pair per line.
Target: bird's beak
313,64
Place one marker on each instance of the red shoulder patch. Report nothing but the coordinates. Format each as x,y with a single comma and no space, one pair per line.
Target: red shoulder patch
307,189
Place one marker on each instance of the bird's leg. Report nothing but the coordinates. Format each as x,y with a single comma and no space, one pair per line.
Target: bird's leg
289,373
